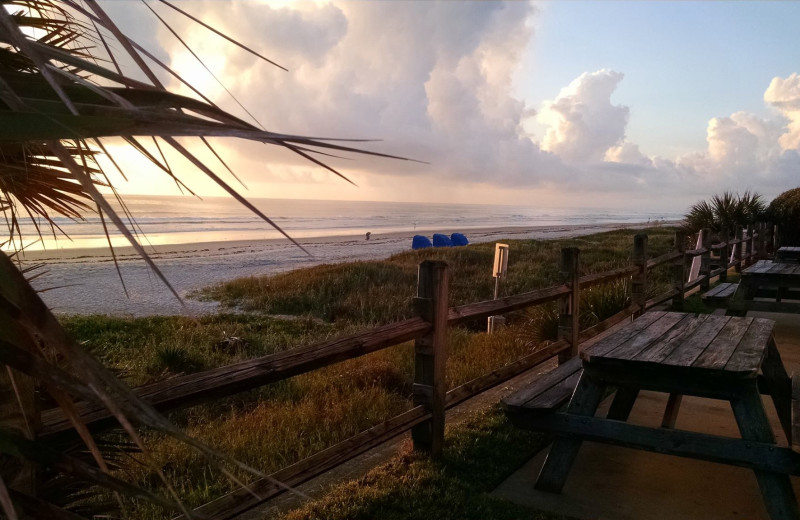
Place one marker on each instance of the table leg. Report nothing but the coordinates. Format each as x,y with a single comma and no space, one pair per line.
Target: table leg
776,488
622,404
585,400
779,386
737,305
671,412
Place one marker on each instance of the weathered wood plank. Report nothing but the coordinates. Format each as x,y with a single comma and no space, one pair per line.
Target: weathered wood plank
590,280
231,379
430,357
662,348
565,370
239,501
561,456
658,333
622,404
779,386
775,487
722,347
235,503
645,337
671,411
663,259
692,347
488,308
751,350
556,395
727,450
661,298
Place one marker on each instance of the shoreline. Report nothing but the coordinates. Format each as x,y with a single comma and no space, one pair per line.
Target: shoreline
85,281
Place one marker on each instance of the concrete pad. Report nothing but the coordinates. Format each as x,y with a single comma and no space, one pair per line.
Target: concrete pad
609,482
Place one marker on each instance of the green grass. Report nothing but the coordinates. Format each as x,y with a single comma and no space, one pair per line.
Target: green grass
380,291
479,454
274,426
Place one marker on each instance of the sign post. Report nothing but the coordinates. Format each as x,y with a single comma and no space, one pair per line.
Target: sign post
498,271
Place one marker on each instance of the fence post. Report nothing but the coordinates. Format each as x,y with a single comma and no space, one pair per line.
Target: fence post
639,280
430,355
568,325
762,242
679,270
724,255
751,244
705,261
738,251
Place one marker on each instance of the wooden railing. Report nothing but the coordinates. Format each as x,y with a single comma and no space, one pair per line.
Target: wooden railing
426,419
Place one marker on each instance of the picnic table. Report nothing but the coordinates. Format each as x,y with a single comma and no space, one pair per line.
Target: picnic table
789,255
717,357
777,281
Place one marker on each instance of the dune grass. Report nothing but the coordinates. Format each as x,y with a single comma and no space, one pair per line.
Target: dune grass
274,426
478,455
379,291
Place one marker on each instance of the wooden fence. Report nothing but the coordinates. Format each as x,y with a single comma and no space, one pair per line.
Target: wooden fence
431,399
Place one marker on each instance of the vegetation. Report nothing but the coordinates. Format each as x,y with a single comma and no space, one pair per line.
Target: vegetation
478,455
379,292
784,211
277,425
725,212
62,96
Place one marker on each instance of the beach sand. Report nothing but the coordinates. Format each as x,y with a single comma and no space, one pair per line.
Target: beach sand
85,281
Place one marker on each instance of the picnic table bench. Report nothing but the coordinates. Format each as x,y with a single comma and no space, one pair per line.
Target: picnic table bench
710,356
720,294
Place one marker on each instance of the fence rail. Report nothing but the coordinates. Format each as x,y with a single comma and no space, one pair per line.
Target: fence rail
428,329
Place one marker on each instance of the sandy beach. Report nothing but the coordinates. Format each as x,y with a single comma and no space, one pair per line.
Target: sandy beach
85,281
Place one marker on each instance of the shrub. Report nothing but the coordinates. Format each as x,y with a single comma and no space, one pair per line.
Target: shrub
785,212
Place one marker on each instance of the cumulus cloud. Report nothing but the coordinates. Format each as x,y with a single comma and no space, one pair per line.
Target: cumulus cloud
627,153
583,121
436,81
784,95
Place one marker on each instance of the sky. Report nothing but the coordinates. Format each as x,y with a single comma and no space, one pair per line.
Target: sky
639,105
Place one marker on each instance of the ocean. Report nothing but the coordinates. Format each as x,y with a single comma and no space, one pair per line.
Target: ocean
187,220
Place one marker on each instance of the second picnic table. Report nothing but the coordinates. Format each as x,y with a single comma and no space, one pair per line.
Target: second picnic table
777,281
710,356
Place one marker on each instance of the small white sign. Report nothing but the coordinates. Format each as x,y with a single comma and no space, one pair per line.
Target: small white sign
500,260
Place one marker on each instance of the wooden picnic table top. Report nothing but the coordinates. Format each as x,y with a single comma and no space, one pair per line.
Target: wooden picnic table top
733,345
788,254
770,268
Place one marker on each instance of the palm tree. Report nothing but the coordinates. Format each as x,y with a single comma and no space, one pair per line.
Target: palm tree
725,212
62,94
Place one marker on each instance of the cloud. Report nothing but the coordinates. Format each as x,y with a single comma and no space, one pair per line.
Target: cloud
436,82
583,121
627,153
784,95
433,80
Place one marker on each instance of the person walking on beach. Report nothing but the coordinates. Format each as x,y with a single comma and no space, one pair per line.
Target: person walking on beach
368,234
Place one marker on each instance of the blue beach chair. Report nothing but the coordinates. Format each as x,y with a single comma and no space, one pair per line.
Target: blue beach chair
459,239
420,242
440,240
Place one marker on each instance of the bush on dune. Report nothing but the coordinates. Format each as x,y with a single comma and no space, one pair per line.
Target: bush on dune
785,212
